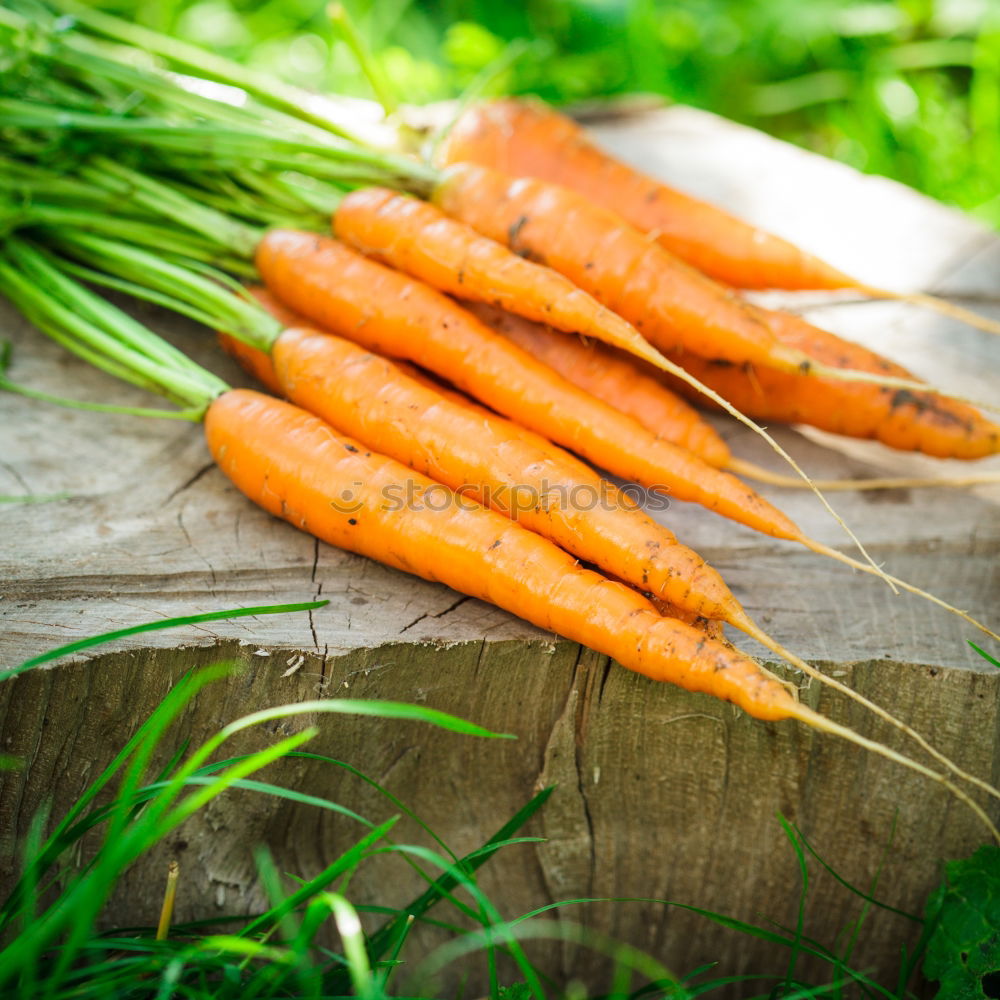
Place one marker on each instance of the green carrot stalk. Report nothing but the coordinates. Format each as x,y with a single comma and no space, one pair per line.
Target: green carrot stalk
377,80
100,333
299,104
220,142
208,299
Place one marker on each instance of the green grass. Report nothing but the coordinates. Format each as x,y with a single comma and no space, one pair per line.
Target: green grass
910,89
311,941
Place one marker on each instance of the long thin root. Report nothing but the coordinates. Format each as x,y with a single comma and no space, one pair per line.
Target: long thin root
649,353
826,550
762,637
823,724
938,305
750,470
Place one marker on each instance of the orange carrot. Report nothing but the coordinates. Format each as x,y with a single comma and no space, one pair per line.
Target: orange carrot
925,422
667,301
901,419
399,317
297,467
618,380
490,460
525,138
293,465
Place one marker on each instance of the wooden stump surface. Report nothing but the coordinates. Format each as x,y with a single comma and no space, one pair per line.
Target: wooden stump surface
661,794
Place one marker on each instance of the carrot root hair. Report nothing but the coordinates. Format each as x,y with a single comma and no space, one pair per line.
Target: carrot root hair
832,553
820,370
750,470
935,304
755,632
820,722
649,353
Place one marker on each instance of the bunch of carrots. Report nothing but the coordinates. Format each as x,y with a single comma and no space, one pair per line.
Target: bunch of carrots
543,328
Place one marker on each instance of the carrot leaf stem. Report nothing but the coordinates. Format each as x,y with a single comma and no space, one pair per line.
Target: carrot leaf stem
42,265
225,142
194,415
156,235
298,103
211,301
296,190
100,333
236,236
137,291
365,58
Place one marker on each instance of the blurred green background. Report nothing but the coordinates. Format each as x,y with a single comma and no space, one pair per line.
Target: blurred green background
906,88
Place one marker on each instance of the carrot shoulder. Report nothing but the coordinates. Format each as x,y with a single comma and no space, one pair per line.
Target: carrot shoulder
295,466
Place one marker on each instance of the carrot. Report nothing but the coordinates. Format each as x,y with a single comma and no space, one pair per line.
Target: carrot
262,367
528,139
951,430
295,466
665,467
392,314
667,301
525,138
899,418
614,378
407,416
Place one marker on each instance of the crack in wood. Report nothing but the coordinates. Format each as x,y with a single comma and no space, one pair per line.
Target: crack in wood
415,621
312,574
451,607
319,590
12,471
188,483
194,548
605,669
322,667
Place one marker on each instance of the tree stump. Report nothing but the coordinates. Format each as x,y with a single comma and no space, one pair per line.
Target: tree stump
660,794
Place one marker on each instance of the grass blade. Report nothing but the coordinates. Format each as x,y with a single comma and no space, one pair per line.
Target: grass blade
210,616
